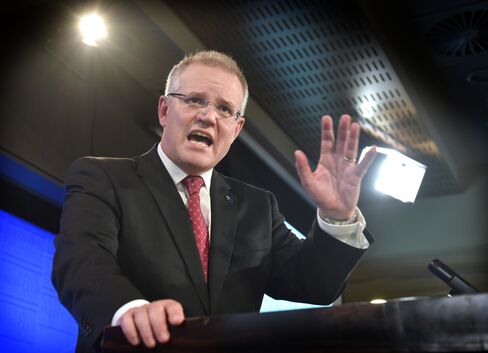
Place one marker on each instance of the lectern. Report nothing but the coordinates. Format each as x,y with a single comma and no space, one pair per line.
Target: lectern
457,324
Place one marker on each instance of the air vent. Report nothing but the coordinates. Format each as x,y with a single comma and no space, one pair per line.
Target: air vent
463,34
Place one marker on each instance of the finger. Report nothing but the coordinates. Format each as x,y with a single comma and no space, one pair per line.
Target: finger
351,149
143,325
128,327
303,167
174,312
342,134
366,162
327,138
157,319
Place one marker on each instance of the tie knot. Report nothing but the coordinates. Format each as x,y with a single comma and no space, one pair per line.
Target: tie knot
193,184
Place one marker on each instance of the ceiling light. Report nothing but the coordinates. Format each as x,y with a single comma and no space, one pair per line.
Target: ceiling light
92,29
378,301
399,176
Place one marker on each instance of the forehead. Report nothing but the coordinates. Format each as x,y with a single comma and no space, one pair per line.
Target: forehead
214,81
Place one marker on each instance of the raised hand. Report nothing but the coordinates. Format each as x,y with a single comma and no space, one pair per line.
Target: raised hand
335,184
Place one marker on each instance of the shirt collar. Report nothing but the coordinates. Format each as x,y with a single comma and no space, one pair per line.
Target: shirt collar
177,174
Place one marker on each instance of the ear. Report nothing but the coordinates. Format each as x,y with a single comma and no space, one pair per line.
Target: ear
238,127
162,110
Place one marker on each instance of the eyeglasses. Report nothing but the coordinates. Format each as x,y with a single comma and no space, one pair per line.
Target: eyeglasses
196,103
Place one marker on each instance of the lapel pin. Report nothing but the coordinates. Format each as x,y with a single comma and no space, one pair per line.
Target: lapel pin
229,199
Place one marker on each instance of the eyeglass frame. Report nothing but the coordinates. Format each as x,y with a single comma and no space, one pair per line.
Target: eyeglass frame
205,104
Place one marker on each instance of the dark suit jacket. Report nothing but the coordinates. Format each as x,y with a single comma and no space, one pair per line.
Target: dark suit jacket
125,235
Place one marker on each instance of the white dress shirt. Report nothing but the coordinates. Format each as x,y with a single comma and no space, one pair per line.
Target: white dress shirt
351,234
177,175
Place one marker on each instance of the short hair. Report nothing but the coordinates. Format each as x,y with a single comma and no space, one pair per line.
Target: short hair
210,58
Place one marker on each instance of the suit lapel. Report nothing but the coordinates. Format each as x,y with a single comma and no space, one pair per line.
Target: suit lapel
156,177
224,220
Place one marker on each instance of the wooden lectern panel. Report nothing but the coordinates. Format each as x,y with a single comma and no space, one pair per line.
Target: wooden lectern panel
457,324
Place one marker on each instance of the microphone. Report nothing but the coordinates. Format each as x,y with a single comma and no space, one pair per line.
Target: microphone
457,284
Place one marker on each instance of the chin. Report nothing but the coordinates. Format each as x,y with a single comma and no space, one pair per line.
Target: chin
197,167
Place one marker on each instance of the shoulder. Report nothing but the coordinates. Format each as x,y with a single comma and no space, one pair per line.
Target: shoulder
103,165
102,162
102,168
117,164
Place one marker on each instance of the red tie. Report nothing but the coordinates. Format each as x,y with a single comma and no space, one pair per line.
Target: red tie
193,185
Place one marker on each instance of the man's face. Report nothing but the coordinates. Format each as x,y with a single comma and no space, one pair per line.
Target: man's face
184,126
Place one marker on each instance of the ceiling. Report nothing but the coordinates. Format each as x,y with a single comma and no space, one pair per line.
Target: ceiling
307,58
413,74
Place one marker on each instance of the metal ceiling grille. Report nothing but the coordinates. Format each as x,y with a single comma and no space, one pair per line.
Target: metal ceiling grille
308,58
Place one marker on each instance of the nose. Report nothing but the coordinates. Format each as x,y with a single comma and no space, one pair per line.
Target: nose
208,114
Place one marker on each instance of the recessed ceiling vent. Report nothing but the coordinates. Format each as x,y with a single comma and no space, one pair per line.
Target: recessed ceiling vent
463,34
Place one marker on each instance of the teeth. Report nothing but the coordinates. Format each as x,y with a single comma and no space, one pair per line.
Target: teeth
203,144
200,138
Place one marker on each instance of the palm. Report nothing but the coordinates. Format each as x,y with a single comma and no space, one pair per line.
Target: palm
335,184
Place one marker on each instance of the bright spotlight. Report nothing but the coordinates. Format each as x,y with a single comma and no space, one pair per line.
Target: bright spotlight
92,29
378,301
399,176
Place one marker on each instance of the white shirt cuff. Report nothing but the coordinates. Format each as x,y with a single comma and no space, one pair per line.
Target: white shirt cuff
351,234
124,308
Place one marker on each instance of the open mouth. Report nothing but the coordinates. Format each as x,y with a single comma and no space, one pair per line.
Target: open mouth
200,139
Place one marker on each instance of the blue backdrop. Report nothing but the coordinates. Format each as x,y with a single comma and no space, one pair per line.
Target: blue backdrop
31,317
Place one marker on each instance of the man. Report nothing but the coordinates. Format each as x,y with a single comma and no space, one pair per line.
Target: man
142,248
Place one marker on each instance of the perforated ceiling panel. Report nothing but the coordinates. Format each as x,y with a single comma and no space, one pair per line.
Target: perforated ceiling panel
304,59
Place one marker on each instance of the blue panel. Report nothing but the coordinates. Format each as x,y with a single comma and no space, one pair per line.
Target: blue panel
269,304
30,179
31,317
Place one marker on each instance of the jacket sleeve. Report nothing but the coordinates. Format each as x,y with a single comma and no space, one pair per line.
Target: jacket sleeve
85,271
314,270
